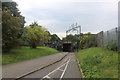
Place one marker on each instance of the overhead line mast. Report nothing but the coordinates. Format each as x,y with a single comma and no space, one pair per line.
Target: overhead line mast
74,28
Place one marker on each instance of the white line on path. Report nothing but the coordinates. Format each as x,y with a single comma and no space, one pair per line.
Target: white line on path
47,76
60,69
64,70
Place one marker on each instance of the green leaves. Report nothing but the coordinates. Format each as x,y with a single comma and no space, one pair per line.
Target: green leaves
88,40
12,23
71,38
34,36
54,37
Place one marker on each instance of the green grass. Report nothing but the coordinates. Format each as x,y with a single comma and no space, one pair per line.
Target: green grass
98,63
26,53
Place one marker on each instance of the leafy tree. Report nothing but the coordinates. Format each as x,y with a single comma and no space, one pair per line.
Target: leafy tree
12,24
33,36
71,38
54,37
34,24
87,40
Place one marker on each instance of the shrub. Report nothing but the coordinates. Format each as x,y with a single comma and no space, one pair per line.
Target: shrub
112,45
88,40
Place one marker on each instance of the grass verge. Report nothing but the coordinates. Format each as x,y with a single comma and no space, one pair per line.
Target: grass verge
26,53
98,63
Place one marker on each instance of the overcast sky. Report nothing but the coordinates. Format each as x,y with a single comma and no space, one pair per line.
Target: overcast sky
57,15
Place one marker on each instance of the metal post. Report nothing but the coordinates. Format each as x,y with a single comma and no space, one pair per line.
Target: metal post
79,29
66,33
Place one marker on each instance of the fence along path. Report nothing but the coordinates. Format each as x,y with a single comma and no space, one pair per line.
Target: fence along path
104,38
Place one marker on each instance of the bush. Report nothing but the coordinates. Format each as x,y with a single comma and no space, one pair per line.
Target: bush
112,45
88,40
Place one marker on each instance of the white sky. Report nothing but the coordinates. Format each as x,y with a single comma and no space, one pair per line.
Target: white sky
58,15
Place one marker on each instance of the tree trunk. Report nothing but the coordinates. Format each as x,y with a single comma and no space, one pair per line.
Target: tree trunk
33,45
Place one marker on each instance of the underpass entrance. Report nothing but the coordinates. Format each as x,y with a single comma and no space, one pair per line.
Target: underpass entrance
67,46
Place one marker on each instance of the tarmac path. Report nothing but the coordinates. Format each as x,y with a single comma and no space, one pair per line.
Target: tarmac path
64,66
17,69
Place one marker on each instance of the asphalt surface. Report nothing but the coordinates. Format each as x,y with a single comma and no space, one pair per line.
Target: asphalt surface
66,68
17,69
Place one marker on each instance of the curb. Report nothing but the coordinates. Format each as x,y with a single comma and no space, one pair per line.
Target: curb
35,70
80,69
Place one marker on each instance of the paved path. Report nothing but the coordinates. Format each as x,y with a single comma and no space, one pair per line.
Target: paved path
66,68
18,69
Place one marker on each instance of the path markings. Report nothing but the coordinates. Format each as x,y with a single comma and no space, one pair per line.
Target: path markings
63,71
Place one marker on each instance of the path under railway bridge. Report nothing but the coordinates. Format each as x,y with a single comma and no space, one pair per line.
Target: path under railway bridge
65,46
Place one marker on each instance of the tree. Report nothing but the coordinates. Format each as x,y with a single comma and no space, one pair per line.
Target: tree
71,38
12,24
34,24
54,37
33,36
88,40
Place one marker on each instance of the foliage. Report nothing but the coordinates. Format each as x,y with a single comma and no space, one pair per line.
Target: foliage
34,24
26,53
54,37
87,40
112,45
98,63
33,36
12,24
71,38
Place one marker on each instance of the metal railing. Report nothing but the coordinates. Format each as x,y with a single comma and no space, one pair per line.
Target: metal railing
105,37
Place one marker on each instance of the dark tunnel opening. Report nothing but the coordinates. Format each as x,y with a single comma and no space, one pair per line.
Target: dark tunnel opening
67,47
